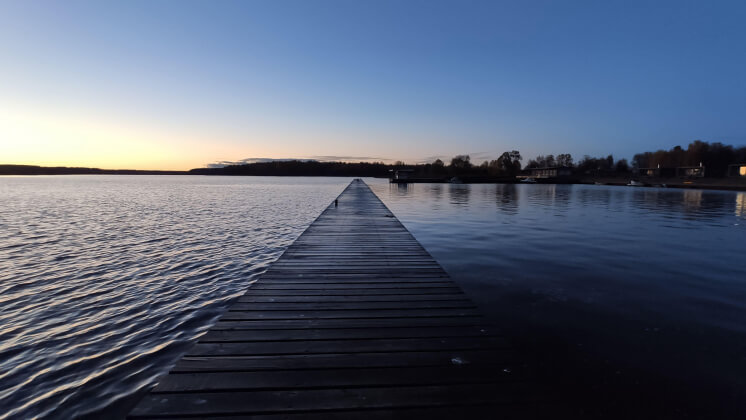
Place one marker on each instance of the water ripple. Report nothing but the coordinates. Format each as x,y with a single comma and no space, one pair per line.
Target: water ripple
106,281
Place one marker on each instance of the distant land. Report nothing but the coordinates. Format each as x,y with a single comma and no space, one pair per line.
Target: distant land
723,164
275,168
64,170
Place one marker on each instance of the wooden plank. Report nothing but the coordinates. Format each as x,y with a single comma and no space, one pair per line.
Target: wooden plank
354,321
347,323
422,286
503,357
475,411
363,298
345,346
381,291
332,378
350,314
275,306
247,402
238,335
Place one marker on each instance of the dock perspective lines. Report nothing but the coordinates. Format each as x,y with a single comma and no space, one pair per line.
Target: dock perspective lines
354,321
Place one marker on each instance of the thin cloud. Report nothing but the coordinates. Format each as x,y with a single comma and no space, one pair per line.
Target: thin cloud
431,159
334,158
475,157
224,163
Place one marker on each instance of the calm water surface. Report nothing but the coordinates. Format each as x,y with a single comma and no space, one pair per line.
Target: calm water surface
632,301
106,280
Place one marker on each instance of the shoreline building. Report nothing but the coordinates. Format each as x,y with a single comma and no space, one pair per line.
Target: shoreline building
737,170
656,172
691,171
551,172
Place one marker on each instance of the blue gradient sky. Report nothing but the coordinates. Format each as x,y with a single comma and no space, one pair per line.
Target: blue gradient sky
178,84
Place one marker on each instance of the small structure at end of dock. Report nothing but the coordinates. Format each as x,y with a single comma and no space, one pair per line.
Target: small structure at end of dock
400,175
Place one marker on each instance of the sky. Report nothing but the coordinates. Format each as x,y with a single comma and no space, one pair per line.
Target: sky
184,84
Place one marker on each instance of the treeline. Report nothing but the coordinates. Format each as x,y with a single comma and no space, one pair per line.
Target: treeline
715,157
300,168
64,170
508,164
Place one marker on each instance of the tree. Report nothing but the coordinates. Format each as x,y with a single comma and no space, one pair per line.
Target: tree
438,167
515,156
609,164
641,160
564,159
622,165
509,163
460,163
532,163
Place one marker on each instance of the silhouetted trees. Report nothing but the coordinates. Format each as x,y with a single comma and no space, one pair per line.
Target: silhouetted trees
509,163
460,164
303,168
547,161
715,157
64,170
438,169
601,166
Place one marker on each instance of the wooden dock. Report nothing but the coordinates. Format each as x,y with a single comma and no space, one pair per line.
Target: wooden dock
354,321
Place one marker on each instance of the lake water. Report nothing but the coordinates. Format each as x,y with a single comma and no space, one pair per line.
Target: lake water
106,280
631,301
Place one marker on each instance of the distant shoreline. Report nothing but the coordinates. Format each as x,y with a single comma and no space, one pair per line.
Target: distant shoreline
64,170
728,184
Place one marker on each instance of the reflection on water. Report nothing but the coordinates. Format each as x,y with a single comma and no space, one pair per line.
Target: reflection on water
402,189
437,192
692,199
105,281
459,194
507,199
629,294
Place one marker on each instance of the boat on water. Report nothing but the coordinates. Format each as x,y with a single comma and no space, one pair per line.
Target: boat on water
633,183
528,180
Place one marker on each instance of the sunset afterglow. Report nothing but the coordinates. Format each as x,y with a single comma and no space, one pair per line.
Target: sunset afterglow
118,85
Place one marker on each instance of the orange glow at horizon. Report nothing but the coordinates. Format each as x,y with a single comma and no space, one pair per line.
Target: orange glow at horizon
55,139
48,136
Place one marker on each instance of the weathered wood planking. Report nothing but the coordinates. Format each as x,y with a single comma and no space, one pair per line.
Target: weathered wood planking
354,320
